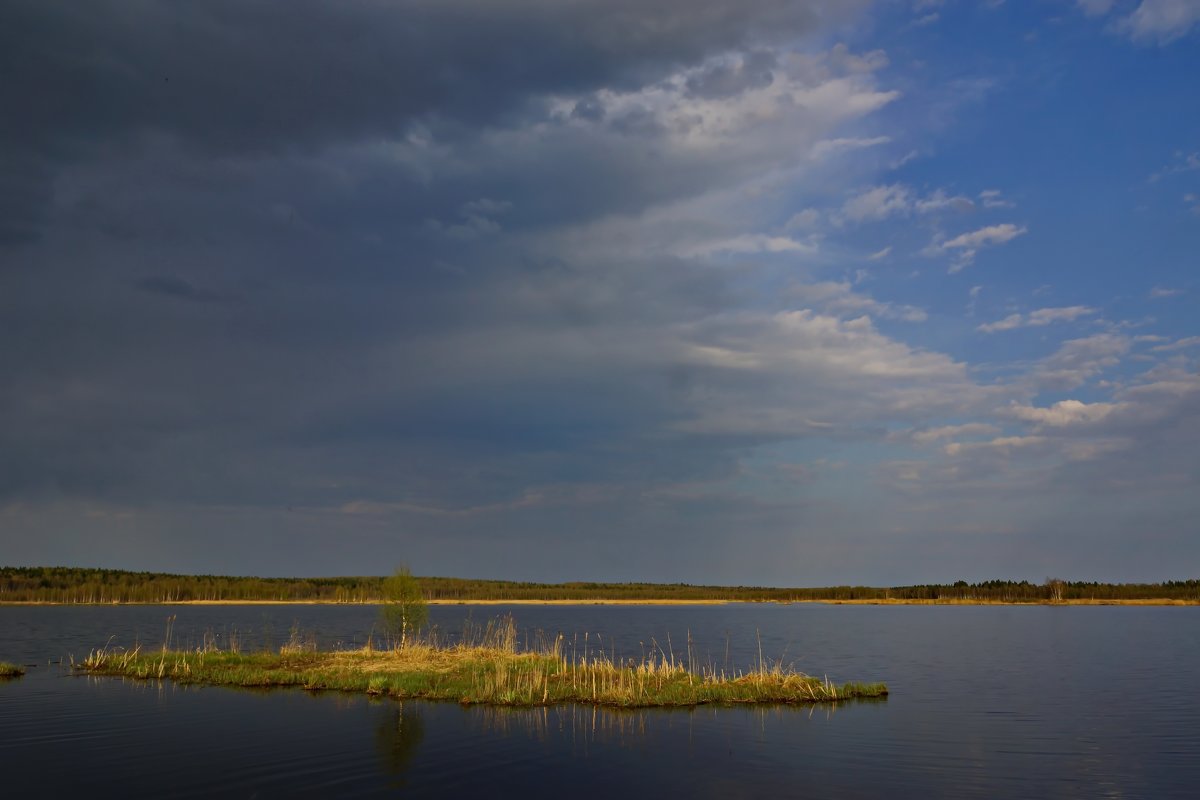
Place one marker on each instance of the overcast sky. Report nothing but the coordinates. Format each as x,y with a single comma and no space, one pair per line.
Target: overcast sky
755,292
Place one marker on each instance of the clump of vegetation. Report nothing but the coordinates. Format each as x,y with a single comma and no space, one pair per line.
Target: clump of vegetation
8,670
487,666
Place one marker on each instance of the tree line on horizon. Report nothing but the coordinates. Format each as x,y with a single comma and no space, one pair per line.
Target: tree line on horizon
79,585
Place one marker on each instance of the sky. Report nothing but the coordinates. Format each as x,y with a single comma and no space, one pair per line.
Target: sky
772,292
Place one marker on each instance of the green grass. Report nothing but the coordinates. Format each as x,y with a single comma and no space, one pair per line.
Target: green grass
492,671
8,670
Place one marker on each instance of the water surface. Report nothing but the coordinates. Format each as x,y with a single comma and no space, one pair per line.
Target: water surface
992,701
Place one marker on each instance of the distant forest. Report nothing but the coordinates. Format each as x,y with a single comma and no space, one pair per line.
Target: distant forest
79,585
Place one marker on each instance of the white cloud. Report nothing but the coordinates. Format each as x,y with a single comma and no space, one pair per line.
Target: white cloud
880,202
940,200
1002,444
1191,341
1159,292
991,198
973,295
839,298
968,244
1095,8
1162,21
751,243
1078,360
804,220
1184,162
1009,323
879,255
1044,316
1038,318
806,93
928,435
827,148
992,234
799,373
1063,413
877,203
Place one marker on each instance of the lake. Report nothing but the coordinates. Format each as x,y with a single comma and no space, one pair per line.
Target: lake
986,701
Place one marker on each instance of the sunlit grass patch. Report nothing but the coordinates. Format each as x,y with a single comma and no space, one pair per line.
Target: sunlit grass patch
8,670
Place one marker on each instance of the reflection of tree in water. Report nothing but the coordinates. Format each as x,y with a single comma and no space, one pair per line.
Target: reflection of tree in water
397,738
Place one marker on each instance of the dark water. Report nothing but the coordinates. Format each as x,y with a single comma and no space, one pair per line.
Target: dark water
986,702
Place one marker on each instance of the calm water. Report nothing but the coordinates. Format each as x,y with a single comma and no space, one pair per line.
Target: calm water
986,702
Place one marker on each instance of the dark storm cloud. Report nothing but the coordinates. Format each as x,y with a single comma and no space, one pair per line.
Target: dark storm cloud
106,80
243,75
263,256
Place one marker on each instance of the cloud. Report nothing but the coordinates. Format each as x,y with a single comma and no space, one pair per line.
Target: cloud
798,374
991,198
839,298
502,271
179,288
1037,318
1161,21
1001,444
1064,413
1184,162
731,77
1181,344
930,435
478,220
1095,8
1160,292
827,148
877,203
940,200
752,243
1079,360
969,244
804,220
880,202
1157,21
991,235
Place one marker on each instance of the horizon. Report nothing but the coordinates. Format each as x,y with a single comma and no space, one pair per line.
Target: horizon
811,293
944,583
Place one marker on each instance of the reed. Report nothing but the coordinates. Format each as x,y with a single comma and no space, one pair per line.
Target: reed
486,666
8,670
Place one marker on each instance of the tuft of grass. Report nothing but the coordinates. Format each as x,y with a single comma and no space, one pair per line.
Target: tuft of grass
8,670
487,666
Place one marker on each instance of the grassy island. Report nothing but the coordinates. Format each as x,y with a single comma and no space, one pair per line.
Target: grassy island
8,670
493,671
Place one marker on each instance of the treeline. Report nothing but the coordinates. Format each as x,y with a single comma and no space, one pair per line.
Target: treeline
82,585
88,586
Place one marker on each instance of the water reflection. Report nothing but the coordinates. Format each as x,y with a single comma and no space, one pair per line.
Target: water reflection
398,736
616,726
